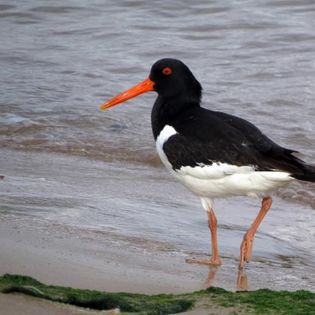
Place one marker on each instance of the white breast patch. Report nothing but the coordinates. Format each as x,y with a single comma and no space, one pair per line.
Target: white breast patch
164,135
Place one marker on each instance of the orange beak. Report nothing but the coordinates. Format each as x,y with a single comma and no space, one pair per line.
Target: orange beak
143,87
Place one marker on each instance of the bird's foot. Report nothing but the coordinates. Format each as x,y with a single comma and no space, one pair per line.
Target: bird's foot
209,262
246,249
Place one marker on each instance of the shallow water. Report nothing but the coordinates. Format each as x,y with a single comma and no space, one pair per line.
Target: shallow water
60,61
143,211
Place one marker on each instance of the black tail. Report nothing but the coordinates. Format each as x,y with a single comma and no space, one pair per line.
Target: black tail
286,160
306,172
309,174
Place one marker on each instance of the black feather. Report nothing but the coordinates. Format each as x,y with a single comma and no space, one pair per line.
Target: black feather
205,136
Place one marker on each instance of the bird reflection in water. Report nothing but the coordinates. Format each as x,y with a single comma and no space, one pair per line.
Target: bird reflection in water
241,280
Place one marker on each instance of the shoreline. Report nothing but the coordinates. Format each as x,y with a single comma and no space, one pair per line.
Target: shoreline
213,300
74,258
45,230
40,237
17,304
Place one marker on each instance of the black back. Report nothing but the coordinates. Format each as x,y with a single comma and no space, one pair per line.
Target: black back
205,136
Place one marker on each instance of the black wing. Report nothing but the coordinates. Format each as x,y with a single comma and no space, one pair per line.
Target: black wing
206,136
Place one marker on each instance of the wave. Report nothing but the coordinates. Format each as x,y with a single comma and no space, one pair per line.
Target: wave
299,192
12,123
87,138
91,151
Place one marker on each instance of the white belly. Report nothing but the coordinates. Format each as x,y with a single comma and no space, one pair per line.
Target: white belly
251,183
221,179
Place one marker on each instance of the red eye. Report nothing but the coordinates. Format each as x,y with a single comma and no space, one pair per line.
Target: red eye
167,71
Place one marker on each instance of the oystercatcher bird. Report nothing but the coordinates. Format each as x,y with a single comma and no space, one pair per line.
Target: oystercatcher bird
212,153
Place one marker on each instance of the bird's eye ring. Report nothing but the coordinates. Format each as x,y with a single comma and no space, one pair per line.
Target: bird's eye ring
167,71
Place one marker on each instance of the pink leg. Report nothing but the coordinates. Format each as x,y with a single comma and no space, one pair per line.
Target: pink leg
215,258
247,244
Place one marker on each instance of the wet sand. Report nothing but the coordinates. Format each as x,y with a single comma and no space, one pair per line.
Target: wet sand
73,257
46,232
19,304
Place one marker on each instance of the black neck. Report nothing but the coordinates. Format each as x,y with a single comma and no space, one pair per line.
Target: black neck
165,110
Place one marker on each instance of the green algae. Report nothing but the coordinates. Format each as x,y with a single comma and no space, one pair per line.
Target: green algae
261,301
265,301
126,302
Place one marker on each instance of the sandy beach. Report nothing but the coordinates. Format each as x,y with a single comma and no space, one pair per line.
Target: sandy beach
79,255
19,304
70,257
83,259
61,254
45,232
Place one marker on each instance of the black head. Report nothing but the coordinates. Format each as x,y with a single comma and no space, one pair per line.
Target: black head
177,88
173,79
